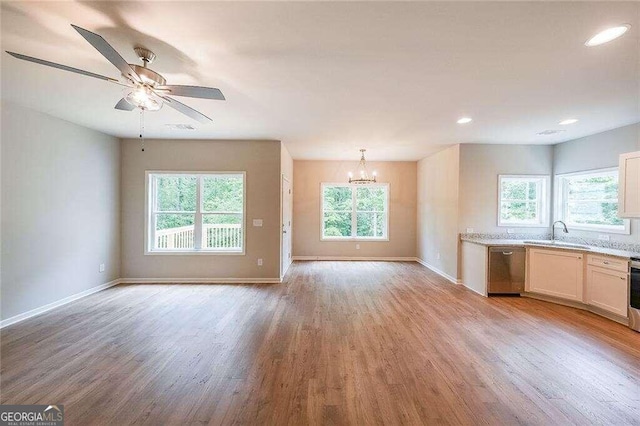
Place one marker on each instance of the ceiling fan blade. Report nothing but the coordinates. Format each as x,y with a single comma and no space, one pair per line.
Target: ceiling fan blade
123,105
186,110
108,52
193,92
60,66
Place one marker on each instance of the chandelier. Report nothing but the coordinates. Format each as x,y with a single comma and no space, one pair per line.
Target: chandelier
363,175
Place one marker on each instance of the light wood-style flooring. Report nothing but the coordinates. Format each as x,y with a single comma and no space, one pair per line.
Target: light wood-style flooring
337,343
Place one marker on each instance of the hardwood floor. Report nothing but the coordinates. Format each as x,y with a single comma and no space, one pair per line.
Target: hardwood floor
337,343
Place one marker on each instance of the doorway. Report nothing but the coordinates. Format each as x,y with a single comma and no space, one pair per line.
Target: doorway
286,225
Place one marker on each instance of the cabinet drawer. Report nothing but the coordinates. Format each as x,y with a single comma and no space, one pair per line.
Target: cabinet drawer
613,263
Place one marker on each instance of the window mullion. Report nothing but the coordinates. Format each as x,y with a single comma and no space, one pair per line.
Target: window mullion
197,227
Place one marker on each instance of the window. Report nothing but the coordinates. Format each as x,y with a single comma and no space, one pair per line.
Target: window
195,212
523,201
355,211
589,201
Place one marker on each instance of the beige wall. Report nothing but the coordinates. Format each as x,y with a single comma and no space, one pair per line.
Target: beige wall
480,166
598,152
308,175
60,209
262,162
437,216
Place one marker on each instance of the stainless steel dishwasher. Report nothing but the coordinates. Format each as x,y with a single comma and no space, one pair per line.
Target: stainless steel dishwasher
506,270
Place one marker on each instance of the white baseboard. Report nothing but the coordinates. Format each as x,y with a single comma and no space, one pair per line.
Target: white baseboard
350,258
438,271
474,290
200,281
58,303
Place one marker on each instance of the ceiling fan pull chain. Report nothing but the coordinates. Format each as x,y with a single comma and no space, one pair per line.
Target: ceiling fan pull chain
142,128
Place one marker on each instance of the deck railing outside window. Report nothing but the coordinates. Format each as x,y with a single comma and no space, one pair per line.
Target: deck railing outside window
215,236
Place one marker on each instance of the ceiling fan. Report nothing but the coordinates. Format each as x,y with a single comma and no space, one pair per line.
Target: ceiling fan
147,90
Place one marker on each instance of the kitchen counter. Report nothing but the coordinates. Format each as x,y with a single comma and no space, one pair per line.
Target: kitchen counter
521,243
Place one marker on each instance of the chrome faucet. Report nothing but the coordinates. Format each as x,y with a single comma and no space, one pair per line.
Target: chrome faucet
553,229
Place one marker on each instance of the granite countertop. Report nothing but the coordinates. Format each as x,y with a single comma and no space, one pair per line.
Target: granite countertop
521,243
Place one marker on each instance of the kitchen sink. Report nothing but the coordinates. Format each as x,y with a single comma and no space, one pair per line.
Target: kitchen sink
556,243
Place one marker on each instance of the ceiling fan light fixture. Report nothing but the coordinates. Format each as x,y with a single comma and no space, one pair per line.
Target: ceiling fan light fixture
144,98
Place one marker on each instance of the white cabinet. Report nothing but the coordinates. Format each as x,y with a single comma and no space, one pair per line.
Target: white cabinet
629,185
557,273
607,284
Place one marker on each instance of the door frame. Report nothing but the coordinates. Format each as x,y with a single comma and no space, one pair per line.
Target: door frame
284,270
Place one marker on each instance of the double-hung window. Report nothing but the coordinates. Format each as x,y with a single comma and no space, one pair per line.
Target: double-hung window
523,201
195,212
355,211
589,201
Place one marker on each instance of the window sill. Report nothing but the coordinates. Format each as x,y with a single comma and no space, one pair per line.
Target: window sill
601,230
349,239
193,253
524,225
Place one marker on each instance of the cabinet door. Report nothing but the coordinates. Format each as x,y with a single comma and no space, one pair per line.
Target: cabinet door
556,273
629,192
607,289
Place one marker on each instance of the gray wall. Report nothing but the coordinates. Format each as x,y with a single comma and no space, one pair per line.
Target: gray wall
261,161
598,152
480,166
60,209
437,215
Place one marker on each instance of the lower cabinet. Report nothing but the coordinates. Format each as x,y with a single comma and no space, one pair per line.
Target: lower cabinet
556,273
607,289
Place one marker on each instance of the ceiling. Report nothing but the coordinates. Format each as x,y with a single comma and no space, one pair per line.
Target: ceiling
329,78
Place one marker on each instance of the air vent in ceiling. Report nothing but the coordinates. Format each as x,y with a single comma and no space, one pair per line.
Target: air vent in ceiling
181,127
550,132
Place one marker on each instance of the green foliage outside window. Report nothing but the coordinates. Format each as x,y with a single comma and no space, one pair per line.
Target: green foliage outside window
222,194
593,200
519,200
175,194
338,211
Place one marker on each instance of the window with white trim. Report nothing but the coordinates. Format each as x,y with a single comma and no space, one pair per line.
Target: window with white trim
523,201
589,201
355,211
195,212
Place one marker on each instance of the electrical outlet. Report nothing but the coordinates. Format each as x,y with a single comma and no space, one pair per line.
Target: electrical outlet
357,246
469,230
511,231
438,256
259,262
604,237
101,267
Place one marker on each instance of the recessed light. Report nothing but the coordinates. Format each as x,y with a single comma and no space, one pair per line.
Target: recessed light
607,35
464,120
568,121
